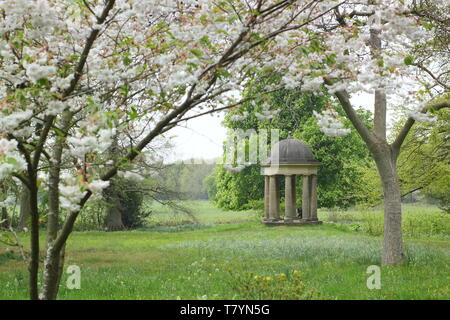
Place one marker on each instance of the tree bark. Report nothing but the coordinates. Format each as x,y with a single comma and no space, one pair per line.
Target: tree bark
54,257
4,218
393,240
33,266
53,269
25,209
113,219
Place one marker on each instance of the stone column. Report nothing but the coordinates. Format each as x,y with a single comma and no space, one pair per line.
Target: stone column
274,198
313,198
289,197
306,215
277,193
266,198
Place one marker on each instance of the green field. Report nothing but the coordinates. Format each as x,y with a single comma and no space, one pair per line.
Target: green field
231,255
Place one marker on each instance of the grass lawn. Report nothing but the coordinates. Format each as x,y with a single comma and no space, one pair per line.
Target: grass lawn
229,252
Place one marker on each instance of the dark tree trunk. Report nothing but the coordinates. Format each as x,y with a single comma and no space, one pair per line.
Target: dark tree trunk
33,266
25,209
4,218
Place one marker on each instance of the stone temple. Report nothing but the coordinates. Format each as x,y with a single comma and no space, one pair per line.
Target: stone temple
290,158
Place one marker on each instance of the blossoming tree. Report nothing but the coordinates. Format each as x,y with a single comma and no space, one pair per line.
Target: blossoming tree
397,51
77,75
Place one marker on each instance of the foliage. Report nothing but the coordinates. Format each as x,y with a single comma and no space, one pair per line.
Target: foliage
341,162
130,196
342,159
368,186
92,217
187,179
417,221
234,191
209,182
424,163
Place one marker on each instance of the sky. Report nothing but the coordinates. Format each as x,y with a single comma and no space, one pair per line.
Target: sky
202,138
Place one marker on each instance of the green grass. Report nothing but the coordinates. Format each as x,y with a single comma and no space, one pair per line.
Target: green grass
417,221
203,211
169,260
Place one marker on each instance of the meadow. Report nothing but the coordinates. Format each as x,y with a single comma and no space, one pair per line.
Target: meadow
231,255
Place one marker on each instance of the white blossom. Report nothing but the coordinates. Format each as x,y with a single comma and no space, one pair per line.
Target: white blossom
55,108
36,72
97,186
422,117
330,125
70,197
10,159
129,175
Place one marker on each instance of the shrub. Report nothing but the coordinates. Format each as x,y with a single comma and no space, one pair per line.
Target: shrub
416,221
282,286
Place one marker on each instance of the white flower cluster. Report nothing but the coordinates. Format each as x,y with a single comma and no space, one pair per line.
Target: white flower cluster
55,108
266,113
129,175
8,123
80,145
422,117
330,125
239,117
10,159
312,84
70,197
97,186
62,83
70,192
36,72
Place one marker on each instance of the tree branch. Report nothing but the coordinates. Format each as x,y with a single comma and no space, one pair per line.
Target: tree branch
437,105
344,99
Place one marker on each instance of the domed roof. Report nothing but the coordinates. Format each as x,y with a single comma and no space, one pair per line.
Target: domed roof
291,151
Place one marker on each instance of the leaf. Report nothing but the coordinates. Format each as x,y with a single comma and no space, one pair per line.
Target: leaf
409,60
11,161
197,52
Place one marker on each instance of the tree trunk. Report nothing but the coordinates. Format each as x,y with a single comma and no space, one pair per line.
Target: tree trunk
53,269
33,266
54,260
25,209
393,242
113,214
4,218
113,220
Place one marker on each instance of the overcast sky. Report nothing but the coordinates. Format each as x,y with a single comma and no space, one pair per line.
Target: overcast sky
202,138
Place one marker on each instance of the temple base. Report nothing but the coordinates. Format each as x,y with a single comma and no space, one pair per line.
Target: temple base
291,222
